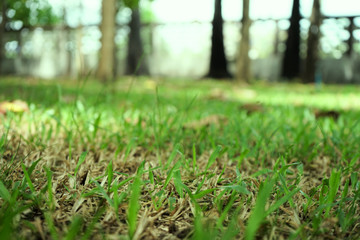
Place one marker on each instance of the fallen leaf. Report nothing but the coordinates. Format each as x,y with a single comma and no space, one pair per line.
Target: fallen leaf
16,106
252,107
207,121
327,114
150,84
217,94
245,93
135,122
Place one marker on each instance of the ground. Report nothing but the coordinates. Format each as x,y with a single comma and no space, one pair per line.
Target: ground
145,158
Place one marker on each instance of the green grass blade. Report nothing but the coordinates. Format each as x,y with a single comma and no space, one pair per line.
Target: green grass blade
110,173
4,193
50,223
28,179
75,228
194,162
172,156
81,160
281,201
237,188
134,205
213,157
90,227
115,187
171,173
334,184
232,229
151,177
203,193
131,145
178,183
32,167
257,213
102,191
96,125
49,188
226,210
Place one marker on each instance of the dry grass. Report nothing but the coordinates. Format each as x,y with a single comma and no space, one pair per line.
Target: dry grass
190,188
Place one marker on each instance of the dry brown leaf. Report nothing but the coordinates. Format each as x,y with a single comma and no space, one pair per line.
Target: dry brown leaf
16,106
252,107
327,114
207,121
135,121
244,93
150,84
217,94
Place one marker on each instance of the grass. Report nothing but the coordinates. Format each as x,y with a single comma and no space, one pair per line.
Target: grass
146,159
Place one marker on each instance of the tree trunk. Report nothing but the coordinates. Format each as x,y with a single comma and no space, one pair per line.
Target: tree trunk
105,69
2,33
291,61
313,43
243,60
136,64
350,41
218,63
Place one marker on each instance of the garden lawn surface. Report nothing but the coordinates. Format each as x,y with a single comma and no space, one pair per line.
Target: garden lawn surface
144,158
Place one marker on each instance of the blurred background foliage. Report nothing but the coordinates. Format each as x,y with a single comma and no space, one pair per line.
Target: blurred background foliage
52,38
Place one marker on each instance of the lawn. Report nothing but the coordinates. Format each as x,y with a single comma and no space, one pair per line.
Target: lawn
179,159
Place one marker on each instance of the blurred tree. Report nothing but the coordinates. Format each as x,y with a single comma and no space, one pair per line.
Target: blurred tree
105,70
2,31
218,64
313,43
243,61
17,15
291,60
350,41
135,61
